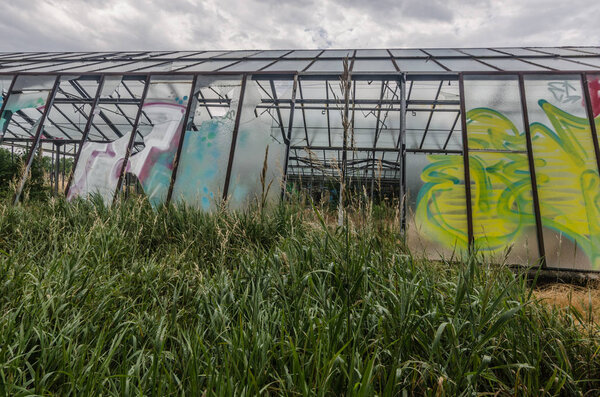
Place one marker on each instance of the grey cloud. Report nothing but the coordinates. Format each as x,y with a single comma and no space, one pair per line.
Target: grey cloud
96,25
437,10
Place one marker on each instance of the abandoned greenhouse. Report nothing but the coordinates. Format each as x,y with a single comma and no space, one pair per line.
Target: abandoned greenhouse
490,149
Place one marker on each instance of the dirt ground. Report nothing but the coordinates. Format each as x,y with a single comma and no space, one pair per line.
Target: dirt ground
563,296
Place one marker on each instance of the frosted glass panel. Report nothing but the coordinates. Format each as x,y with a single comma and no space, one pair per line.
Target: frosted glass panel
164,110
25,105
436,205
504,228
510,64
205,153
100,163
98,169
464,64
501,195
257,138
566,169
494,117
418,65
4,86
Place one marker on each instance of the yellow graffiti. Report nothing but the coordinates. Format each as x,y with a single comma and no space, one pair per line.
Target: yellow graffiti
501,195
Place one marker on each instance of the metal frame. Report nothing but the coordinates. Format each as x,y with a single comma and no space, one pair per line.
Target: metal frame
236,127
289,137
532,173
467,170
4,102
131,139
86,132
187,120
402,145
36,139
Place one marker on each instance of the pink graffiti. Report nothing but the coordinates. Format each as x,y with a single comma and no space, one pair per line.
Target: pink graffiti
152,157
594,86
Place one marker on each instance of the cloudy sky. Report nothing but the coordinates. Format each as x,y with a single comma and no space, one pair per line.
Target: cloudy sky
94,25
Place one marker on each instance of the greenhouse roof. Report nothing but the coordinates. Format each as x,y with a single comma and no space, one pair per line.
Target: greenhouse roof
381,61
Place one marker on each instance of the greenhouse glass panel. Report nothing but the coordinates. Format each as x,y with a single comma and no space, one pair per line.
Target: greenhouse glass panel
592,61
101,162
25,105
482,52
303,54
207,142
69,114
160,128
587,50
436,215
5,82
207,66
288,65
561,64
98,169
504,225
556,51
465,64
372,53
257,171
211,54
443,52
510,65
566,169
247,66
518,51
179,55
327,66
495,107
270,54
408,53
30,66
418,65
237,54
337,54
373,65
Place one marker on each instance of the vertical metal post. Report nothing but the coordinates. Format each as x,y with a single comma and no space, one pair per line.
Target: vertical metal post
402,147
289,137
86,132
467,170
57,169
64,168
187,121
132,139
4,102
234,136
376,137
590,113
534,191
52,171
327,110
36,139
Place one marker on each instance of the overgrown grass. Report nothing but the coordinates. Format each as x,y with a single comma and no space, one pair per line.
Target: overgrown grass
127,301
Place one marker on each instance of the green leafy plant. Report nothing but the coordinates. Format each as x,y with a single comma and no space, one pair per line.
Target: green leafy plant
134,301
